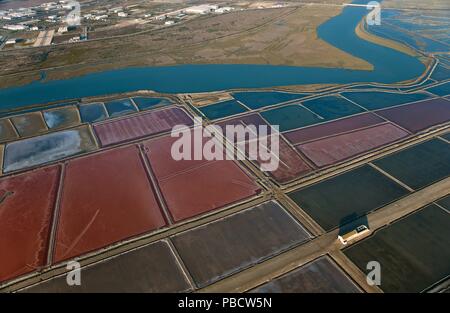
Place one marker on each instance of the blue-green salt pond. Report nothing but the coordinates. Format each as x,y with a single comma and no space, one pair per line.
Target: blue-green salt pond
92,112
146,103
332,107
222,109
40,150
440,90
378,100
260,99
291,117
120,107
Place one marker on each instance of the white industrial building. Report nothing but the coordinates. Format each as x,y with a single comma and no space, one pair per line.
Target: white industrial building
100,17
223,10
22,13
201,9
49,5
15,27
116,10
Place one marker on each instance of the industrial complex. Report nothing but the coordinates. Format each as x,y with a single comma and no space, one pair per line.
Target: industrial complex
359,201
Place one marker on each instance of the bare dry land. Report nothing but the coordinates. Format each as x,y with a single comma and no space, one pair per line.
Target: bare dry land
284,36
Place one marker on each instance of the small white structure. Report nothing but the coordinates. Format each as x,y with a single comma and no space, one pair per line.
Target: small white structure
22,12
357,232
122,14
15,27
49,5
100,17
67,6
169,23
116,10
161,17
62,29
224,10
74,39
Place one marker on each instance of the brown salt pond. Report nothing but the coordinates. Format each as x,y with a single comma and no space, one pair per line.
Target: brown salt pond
105,198
26,211
7,132
319,276
223,247
29,124
152,268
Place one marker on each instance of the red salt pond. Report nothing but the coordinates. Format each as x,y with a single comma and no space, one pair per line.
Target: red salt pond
138,126
106,197
338,148
26,212
290,164
193,187
419,116
332,128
